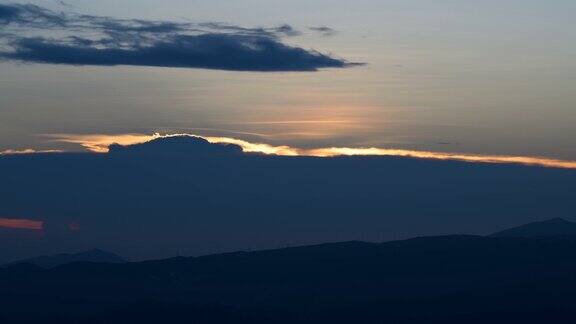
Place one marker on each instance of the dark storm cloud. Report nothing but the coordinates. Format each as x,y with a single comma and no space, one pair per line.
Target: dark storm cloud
209,51
107,41
37,17
183,192
8,13
31,15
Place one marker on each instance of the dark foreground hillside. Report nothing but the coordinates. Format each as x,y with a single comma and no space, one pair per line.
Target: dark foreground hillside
52,261
450,279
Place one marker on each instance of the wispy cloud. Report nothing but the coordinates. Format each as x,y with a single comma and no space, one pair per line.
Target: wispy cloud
324,30
106,41
21,223
31,16
27,151
99,143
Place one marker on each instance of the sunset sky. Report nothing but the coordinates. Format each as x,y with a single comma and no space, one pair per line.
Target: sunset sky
145,126
295,161
477,77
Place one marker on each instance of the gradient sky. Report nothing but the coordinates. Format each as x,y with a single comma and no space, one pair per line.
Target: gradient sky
486,77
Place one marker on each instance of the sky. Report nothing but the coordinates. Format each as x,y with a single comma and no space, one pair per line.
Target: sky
476,77
212,125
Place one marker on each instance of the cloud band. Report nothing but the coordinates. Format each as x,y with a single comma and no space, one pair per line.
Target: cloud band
107,41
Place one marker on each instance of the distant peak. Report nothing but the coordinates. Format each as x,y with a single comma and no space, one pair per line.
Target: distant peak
557,220
94,251
51,261
551,227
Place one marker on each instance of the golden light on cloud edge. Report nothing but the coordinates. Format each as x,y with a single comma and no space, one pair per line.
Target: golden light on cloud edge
27,224
99,143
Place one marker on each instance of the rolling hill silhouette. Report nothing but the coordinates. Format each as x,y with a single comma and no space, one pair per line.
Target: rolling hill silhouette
51,261
443,279
547,228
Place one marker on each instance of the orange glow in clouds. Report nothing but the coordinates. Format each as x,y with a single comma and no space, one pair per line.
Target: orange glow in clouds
21,224
99,143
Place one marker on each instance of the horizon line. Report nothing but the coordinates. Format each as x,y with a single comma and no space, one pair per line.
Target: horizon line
99,143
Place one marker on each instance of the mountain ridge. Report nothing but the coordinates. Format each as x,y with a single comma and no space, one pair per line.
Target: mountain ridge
547,228
438,279
56,260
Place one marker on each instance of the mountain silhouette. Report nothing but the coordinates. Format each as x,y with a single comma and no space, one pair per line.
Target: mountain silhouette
197,197
51,261
444,279
547,228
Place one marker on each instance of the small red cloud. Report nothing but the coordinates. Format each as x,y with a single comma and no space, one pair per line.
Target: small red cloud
73,227
21,224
